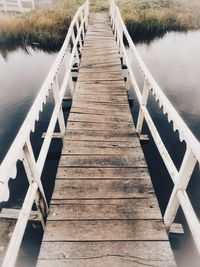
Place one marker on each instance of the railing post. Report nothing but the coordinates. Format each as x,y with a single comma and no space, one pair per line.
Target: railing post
83,30
144,100
61,119
115,23
76,55
111,17
33,4
4,6
71,86
87,14
19,3
33,176
18,233
79,40
184,175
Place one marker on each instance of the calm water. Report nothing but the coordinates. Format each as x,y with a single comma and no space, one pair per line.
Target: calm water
175,63
21,76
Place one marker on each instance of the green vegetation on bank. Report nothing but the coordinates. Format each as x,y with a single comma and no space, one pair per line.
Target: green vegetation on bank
143,17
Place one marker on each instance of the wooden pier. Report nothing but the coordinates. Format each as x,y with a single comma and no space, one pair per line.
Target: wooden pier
104,211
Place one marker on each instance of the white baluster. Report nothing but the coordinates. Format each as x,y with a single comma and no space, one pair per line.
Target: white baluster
183,179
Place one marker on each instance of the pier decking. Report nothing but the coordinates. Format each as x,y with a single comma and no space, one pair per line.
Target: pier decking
103,211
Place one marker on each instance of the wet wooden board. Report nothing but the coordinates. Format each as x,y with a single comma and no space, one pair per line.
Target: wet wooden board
100,118
105,230
102,173
89,135
75,150
101,99
101,106
104,161
78,125
101,254
103,211
100,189
87,110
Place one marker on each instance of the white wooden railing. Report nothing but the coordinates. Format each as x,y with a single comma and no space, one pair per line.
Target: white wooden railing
21,149
179,177
17,5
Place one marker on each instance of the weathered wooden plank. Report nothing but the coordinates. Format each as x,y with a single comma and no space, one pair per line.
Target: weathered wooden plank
103,83
119,83
101,106
107,144
90,57
14,214
97,46
93,91
99,33
108,52
105,161
102,173
100,76
86,110
92,35
98,126
94,189
101,98
101,254
78,117
98,136
114,71
102,230
70,150
101,65
91,88
105,209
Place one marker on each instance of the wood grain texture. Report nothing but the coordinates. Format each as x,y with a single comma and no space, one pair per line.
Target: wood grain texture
96,126
102,173
103,211
100,118
88,135
100,189
101,254
103,230
103,161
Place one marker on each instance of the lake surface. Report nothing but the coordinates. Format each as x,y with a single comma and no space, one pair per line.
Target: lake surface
21,76
173,60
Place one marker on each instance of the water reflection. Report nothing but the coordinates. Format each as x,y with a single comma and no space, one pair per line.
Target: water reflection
21,76
174,61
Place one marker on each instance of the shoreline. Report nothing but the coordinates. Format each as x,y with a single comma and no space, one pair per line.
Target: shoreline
145,20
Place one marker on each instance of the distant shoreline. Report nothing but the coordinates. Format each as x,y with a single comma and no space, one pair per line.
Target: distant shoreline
145,19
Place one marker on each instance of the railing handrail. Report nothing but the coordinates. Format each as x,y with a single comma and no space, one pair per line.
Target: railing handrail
21,148
16,6
173,115
182,176
15,152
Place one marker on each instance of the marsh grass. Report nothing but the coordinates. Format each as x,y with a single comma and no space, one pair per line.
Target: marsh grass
47,28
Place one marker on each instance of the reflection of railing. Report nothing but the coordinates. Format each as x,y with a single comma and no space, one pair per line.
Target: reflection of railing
17,5
21,149
180,177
